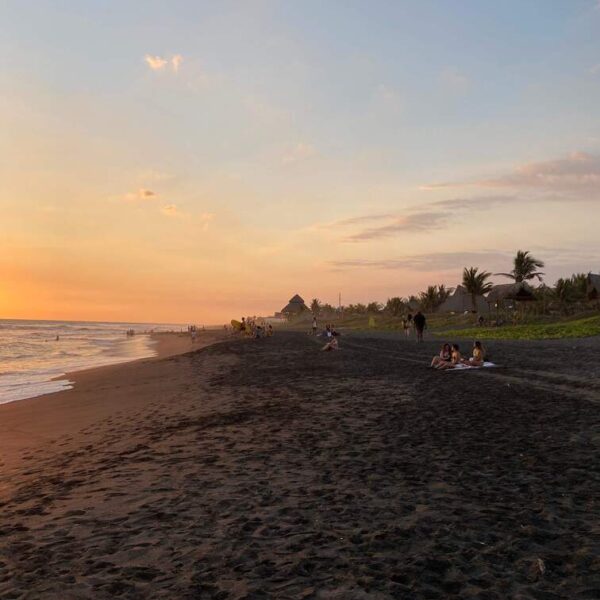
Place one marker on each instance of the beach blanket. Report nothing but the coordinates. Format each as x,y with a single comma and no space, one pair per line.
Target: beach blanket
463,367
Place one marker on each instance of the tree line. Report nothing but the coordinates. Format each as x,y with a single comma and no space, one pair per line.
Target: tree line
476,282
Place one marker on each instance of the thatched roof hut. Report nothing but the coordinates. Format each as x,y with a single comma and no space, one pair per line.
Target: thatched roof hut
461,301
510,292
294,307
593,287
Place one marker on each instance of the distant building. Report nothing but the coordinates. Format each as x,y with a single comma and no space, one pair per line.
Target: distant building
461,301
294,307
593,287
506,295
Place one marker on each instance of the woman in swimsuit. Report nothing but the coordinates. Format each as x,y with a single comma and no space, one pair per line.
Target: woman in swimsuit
444,356
478,357
455,358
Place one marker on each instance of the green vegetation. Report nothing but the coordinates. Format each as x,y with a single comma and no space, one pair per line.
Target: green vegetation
569,309
543,331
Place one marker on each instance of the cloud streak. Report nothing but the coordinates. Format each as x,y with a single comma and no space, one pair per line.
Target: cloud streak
297,153
158,63
578,171
427,217
141,194
435,261
424,221
170,210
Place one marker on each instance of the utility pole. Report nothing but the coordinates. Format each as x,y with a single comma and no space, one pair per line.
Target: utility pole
340,301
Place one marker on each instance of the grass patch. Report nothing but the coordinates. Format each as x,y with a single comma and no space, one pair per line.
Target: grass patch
547,331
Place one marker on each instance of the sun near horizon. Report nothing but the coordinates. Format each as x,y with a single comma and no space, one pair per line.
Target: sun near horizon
197,162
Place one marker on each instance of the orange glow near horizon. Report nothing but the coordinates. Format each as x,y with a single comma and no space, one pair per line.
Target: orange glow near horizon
145,181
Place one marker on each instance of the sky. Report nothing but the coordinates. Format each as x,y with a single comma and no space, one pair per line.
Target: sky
192,162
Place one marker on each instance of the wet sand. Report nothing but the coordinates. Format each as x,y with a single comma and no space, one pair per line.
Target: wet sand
268,469
98,393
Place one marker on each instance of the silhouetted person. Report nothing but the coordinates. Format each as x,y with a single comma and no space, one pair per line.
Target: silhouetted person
420,321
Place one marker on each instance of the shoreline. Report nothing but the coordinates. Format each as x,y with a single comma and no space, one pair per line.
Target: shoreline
31,424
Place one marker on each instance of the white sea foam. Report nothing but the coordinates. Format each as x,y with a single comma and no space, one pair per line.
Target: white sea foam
31,357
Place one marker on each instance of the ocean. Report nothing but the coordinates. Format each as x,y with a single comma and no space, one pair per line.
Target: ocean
33,353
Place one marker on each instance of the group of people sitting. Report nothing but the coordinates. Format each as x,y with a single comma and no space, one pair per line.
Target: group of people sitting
255,329
450,357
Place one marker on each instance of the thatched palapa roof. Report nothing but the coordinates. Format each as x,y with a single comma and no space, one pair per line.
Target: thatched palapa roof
461,301
521,292
593,286
295,306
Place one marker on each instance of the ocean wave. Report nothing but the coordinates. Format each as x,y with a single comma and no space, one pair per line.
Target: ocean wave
29,358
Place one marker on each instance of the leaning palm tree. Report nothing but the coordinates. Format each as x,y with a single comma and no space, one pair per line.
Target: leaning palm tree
476,283
525,267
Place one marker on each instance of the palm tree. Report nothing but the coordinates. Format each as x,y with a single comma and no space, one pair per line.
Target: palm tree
443,293
315,306
525,267
429,297
374,307
476,283
395,306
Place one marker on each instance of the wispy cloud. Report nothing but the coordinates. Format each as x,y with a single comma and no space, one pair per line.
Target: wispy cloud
297,153
141,194
423,221
560,260
205,219
170,210
435,261
363,219
454,80
423,218
158,63
579,170
176,62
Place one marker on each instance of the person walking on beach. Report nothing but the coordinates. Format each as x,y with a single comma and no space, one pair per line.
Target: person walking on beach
420,321
314,325
406,326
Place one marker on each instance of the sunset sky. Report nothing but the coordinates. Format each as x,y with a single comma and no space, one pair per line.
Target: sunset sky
195,161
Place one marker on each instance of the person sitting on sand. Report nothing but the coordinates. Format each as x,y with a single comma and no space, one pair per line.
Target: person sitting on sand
478,357
444,356
331,345
455,358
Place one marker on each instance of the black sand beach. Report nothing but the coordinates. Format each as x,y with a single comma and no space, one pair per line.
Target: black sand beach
269,469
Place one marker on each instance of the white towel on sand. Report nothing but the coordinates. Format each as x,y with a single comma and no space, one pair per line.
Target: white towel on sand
463,367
